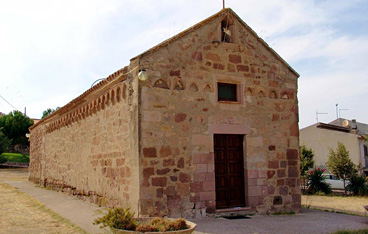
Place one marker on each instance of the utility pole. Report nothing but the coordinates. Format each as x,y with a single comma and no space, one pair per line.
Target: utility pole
337,110
223,4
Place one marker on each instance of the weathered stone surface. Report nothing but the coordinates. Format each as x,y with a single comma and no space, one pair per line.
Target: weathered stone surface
213,57
184,178
151,144
165,151
292,154
159,181
197,56
180,117
163,171
149,152
233,58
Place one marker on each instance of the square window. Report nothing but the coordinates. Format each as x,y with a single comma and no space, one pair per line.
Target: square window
227,92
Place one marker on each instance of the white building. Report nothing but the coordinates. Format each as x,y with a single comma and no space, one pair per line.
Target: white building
320,137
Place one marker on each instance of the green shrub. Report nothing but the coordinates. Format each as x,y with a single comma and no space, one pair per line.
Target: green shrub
162,225
316,182
357,185
15,157
3,159
118,218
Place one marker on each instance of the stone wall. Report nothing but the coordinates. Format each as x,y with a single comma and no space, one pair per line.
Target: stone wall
90,149
150,145
180,114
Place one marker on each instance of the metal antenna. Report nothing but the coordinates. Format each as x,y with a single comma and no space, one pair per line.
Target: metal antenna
319,113
342,110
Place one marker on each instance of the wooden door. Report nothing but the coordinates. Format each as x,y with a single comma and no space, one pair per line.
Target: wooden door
229,171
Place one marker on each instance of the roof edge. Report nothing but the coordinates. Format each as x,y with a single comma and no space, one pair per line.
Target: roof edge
200,24
114,76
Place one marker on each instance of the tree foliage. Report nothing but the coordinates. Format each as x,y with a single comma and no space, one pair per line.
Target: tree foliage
15,126
4,142
358,185
306,160
48,112
317,183
340,164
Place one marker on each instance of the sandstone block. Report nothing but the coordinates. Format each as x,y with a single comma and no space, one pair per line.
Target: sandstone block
165,151
180,163
281,173
150,152
180,117
242,68
159,181
196,187
233,58
170,191
273,164
292,154
197,56
163,171
213,57
184,178
183,189
207,196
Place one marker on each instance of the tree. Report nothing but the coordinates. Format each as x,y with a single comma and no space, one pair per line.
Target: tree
4,142
306,162
15,126
317,183
340,164
48,112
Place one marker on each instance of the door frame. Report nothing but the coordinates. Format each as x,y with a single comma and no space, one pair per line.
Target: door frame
244,168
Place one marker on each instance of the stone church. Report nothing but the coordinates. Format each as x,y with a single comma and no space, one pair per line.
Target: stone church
205,122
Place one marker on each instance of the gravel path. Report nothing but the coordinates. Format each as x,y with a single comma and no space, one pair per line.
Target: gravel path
309,221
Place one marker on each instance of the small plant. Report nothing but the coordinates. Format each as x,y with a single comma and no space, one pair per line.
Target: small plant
316,182
357,185
3,159
118,218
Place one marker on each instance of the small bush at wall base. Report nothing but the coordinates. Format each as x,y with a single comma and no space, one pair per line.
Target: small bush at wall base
119,218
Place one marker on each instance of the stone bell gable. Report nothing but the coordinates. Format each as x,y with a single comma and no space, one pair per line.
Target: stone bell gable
213,128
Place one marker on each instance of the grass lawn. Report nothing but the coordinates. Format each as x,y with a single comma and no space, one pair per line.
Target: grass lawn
12,157
362,231
352,205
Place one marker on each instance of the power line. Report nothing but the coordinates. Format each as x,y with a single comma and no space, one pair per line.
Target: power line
9,103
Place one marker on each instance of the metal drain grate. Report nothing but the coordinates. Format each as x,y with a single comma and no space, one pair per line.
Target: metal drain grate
236,217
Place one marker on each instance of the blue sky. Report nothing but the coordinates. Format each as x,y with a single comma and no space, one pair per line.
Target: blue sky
52,51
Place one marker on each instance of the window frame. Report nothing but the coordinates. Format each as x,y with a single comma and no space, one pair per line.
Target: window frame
234,87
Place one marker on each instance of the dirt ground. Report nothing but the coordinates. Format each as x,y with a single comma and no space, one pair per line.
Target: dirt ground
351,205
20,213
